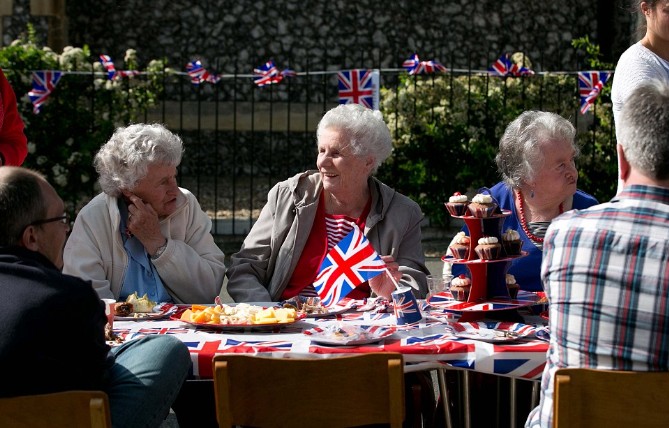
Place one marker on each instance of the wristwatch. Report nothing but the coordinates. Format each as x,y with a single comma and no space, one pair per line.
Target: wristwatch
159,251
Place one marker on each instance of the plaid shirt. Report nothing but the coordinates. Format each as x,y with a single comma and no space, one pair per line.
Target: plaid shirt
606,274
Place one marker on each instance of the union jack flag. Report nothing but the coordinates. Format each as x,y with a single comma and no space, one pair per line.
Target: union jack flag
347,265
44,82
505,67
590,84
358,87
268,74
414,66
108,64
199,74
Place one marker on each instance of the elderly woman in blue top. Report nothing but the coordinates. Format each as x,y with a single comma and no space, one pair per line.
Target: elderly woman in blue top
536,159
144,234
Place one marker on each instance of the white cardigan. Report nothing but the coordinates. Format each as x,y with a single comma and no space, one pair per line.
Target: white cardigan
191,267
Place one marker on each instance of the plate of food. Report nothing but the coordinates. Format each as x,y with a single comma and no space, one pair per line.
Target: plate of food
313,308
349,335
237,317
137,308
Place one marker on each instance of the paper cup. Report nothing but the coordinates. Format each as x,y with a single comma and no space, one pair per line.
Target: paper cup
109,311
405,306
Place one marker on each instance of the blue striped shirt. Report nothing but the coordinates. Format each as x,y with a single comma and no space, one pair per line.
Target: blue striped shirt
606,274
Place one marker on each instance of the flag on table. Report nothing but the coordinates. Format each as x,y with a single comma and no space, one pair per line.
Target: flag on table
505,67
414,66
44,82
348,264
359,87
590,84
268,74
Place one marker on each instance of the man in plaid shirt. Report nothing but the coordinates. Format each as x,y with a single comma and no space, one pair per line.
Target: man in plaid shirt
605,269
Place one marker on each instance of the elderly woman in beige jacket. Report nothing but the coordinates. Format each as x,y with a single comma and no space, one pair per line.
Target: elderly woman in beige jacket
144,234
308,214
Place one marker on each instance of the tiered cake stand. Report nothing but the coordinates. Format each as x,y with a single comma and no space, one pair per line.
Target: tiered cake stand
488,277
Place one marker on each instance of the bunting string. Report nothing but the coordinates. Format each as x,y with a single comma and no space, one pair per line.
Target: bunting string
355,86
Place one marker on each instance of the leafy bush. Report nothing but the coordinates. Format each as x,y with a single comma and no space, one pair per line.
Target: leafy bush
446,132
79,116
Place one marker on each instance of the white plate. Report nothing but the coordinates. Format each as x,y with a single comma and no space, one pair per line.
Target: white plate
349,335
161,310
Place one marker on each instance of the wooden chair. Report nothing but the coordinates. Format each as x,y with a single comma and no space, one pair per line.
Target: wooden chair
345,391
611,399
67,409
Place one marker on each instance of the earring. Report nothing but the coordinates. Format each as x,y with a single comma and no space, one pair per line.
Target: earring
532,193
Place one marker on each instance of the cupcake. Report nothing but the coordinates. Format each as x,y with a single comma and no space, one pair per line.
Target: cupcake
488,248
457,204
460,287
512,286
511,242
460,246
482,206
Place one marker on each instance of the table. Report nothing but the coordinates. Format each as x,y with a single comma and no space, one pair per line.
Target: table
427,345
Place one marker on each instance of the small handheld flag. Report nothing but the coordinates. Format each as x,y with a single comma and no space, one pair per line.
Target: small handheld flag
44,82
590,85
348,264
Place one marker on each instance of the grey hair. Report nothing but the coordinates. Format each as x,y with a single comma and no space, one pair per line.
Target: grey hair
21,202
365,129
125,158
520,154
644,129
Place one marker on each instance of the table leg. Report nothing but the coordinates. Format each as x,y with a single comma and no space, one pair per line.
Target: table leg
468,421
535,393
444,397
513,403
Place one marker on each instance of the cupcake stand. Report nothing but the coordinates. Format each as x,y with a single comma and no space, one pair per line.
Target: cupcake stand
488,290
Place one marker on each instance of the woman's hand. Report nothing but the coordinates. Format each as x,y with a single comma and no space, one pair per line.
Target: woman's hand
381,284
143,223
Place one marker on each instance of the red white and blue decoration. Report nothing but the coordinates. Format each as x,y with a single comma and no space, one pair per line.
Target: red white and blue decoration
504,67
269,74
590,85
112,73
348,264
414,65
44,82
359,87
199,74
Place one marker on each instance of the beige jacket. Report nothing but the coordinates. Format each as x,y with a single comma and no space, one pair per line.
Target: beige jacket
260,271
191,267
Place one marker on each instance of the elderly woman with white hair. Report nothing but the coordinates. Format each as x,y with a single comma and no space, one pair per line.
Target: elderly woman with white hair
536,160
144,234
309,213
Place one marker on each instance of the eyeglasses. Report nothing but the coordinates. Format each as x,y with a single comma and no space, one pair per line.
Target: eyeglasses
65,219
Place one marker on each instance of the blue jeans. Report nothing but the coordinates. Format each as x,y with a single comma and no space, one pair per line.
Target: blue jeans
145,379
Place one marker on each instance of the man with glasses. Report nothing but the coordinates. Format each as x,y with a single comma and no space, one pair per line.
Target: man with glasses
52,336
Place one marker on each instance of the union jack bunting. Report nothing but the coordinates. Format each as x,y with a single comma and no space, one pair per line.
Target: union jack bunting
590,84
199,74
268,74
44,82
414,66
347,265
505,67
112,73
358,87
108,64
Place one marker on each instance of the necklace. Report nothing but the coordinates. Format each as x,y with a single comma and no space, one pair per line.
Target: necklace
523,221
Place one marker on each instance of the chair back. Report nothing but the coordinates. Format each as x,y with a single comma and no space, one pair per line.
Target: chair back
361,389
611,399
67,409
